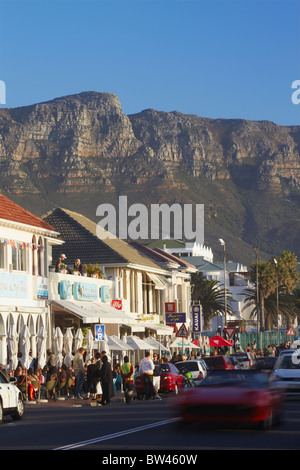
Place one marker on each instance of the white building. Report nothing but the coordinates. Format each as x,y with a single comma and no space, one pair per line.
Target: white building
24,247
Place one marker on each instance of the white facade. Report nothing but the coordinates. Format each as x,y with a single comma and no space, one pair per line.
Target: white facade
23,281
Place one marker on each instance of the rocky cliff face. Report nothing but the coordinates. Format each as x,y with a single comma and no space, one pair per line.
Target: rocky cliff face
80,145
86,140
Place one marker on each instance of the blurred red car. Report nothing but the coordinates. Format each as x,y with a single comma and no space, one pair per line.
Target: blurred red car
236,397
220,362
171,380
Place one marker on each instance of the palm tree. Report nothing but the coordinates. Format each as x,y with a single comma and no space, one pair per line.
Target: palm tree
210,296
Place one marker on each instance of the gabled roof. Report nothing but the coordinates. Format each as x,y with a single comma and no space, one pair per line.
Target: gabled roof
12,212
82,241
163,258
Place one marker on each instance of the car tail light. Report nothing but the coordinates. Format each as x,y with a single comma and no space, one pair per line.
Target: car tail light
168,377
200,375
250,363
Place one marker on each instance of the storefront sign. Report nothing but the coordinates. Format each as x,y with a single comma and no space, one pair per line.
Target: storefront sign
104,294
85,291
13,285
196,317
117,304
65,290
42,288
170,307
175,318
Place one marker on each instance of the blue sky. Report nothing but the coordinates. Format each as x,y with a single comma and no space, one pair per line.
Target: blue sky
218,59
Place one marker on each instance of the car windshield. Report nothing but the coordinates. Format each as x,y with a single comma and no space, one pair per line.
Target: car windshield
3,379
241,378
187,366
241,357
289,362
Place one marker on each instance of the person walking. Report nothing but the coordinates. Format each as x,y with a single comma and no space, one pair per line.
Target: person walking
106,378
147,368
79,371
127,379
156,377
91,378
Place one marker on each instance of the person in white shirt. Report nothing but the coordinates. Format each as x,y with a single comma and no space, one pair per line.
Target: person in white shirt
147,368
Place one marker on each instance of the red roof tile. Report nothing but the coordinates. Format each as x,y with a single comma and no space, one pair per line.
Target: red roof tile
15,213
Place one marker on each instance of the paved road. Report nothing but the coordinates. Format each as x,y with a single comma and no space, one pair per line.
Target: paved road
139,426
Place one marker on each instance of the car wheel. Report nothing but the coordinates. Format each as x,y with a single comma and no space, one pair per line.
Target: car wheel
19,413
267,423
1,413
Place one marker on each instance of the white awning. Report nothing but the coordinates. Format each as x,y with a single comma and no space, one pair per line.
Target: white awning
160,282
158,328
92,312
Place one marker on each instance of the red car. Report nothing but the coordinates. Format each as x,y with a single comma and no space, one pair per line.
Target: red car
171,380
236,397
220,363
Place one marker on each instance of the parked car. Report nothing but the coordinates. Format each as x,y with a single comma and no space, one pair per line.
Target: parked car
286,373
195,368
219,363
264,364
171,380
237,398
245,359
11,399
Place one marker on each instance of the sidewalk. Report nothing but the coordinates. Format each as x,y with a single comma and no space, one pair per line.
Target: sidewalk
73,402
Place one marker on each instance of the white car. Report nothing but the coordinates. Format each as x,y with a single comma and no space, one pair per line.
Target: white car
11,399
286,373
196,368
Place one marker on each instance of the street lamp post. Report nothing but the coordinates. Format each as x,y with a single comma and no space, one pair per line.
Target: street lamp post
225,294
277,298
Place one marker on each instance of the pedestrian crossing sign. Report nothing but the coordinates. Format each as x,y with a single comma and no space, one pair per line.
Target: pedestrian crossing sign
182,332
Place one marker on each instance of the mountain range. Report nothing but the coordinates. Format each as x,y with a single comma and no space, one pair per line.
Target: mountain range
82,150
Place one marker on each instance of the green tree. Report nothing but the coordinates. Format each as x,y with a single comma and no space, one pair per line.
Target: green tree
210,296
277,273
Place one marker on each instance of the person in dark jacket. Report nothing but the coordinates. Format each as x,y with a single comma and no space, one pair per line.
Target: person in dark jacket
106,378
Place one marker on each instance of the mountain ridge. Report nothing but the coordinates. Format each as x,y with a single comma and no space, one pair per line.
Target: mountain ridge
82,150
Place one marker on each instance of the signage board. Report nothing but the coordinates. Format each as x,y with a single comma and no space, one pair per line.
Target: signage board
65,289
104,294
117,304
170,307
99,332
85,291
13,285
196,310
175,317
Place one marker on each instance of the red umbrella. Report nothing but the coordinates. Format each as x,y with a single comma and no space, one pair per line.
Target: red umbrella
217,341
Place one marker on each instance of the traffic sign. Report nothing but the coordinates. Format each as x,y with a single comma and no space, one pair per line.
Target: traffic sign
230,331
182,332
99,332
290,332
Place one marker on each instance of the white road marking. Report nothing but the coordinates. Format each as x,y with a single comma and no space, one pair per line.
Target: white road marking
117,434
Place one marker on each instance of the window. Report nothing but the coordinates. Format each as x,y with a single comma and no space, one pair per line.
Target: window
19,259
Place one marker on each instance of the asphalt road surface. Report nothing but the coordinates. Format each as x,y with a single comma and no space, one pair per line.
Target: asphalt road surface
140,428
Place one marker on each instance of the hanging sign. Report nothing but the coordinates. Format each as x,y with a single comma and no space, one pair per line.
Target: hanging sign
175,317
170,307
196,317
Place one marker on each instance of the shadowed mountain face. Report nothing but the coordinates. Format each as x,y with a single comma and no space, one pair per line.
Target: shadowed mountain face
82,150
